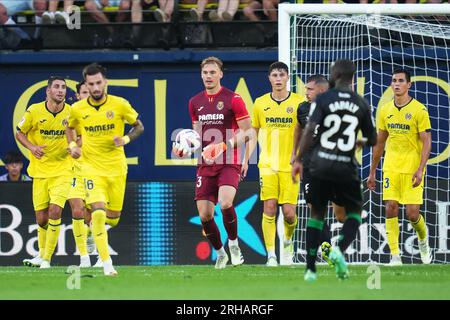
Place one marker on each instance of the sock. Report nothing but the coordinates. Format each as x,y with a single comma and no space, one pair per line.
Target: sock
54,225
22,34
289,229
392,233
313,231
271,253
269,231
37,31
212,233
349,230
112,221
42,234
221,252
79,234
233,242
420,227
100,234
230,222
326,233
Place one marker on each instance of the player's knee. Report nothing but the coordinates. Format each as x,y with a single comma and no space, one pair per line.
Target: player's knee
54,212
339,213
42,221
391,209
112,221
225,203
412,213
78,212
270,208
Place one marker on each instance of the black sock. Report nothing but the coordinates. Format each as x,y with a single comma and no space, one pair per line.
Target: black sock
349,231
313,237
326,233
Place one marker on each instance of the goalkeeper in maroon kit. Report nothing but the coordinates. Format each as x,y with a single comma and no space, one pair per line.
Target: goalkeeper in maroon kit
221,118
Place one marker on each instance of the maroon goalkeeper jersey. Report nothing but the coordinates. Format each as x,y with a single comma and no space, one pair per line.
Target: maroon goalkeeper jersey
218,114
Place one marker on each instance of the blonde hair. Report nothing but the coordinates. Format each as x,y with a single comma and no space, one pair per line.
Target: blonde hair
214,60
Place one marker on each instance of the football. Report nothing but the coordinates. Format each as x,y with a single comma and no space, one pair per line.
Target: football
186,142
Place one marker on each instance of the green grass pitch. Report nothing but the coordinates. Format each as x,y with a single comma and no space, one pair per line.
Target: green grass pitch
244,282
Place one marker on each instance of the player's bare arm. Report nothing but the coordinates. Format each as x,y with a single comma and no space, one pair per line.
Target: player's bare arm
37,151
304,144
133,134
249,149
377,152
297,134
425,137
73,148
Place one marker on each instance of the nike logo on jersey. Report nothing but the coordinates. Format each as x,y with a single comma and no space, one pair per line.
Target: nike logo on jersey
200,109
85,117
43,120
390,116
268,108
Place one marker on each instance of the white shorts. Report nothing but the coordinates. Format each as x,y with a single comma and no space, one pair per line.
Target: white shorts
14,6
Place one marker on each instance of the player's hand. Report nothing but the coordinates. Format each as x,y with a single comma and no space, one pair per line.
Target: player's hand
179,151
244,170
360,143
212,151
297,171
371,183
37,151
293,157
417,178
120,141
74,150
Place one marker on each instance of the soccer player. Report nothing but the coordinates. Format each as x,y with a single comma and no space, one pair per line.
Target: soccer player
274,120
220,117
81,232
41,131
340,114
102,117
404,125
315,85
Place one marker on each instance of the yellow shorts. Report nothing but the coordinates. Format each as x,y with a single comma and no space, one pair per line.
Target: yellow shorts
77,189
398,187
50,190
110,190
278,185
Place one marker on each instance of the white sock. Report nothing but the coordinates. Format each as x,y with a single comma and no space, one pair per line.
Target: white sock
221,252
271,253
233,242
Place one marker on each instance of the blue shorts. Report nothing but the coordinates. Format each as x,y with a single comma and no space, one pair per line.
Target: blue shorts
14,6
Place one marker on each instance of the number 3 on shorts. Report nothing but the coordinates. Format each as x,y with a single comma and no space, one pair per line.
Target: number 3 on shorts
199,182
386,183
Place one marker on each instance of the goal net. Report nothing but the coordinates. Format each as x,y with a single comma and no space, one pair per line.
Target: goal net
379,39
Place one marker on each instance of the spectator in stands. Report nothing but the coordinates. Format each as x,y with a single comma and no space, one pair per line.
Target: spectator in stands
226,11
9,8
165,10
95,8
14,163
197,13
269,9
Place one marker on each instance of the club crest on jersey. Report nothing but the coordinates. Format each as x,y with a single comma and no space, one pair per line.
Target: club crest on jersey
408,116
289,109
220,105
64,122
109,114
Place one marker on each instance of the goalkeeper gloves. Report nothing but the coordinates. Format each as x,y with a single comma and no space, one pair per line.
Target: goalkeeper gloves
212,151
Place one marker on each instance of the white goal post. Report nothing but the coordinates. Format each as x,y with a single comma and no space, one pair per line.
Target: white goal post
380,38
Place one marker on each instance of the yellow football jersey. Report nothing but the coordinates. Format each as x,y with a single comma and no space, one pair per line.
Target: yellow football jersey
276,121
99,125
44,128
403,146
